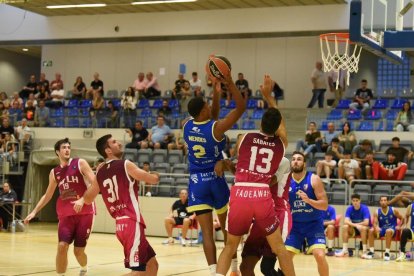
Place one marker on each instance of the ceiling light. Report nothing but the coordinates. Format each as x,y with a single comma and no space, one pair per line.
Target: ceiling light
98,5
25,50
161,2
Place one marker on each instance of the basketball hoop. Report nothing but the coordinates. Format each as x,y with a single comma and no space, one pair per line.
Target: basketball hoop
335,50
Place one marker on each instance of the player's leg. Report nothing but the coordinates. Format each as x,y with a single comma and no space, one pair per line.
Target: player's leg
319,254
62,257
389,234
151,269
83,229
81,257
205,219
186,225
66,232
169,224
278,247
315,236
364,238
406,235
252,250
347,231
372,234
227,254
330,234
248,264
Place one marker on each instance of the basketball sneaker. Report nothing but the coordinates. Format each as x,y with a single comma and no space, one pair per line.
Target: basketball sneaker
170,240
183,242
330,253
401,257
83,272
342,253
368,255
386,256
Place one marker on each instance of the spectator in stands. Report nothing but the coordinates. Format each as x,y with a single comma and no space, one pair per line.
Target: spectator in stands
318,79
29,111
165,110
57,96
79,89
195,84
139,84
152,88
405,119
328,135
97,86
4,112
348,168
7,195
114,115
139,135
385,225
209,83
329,219
98,103
16,99
129,104
178,86
15,113
41,115
43,94
24,134
336,81
389,169
178,143
366,165
186,96
336,150
325,168
57,81
277,92
43,82
401,154
30,87
357,222
347,138
5,99
313,140
147,187
243,85
6,128
179,216
8,149
160,135
362,98
31,98
359,152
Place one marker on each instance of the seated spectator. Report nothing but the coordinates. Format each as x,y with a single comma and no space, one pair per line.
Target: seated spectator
186,96
79,89
139,85
31,98
97,86
147,187
336,150
57,81
360,151
366,165
385,225
178,143
98,103
328,135
195,84
43,82
8,149
348,168
57,97
41,118
389,169
178,86
325,168
179,216
5,99
29,111
209,83
30,87
114,115
7,195
43,94
16,99
277,91
139,135
165,109
24,134
15,113
4,112
362,97
160,135
347,138
313,140
401,153
6,128
152,88
405,119
357,222
329,219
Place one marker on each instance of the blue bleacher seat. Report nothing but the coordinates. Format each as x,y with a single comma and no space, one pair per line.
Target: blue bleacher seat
85,104
232,104
173,103
86,122
257,114
366,126
73,122
398,103
380,104
72,103
335,114
222,103
157,103
373,115
116,103
324,125
251,103
57,122
343,104
391,114
245,115
56,112
354,115
144,103
248,124
223,113
84,112
146,113
235,126
73,112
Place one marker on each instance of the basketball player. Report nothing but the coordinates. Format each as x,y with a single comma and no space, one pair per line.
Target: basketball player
74,209
205,139
259,156
119,183
385,223
307,200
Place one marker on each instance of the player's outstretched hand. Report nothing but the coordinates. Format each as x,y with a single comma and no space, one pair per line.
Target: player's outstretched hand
29,217
267,86
78,204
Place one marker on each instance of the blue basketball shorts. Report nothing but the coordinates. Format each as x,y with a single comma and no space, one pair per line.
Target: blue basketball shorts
311,231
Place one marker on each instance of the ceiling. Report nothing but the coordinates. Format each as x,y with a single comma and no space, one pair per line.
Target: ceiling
33,51
124,6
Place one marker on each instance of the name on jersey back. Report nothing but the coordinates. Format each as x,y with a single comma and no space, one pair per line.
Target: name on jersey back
262,142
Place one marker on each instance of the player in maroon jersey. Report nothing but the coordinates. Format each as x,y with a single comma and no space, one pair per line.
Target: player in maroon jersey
259,156
118,181
75,180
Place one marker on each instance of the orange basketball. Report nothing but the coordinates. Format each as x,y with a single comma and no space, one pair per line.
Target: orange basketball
218,66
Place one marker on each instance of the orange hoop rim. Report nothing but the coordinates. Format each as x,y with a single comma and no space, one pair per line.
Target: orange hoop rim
339,37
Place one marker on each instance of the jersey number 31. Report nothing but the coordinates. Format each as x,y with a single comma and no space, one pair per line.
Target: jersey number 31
112,186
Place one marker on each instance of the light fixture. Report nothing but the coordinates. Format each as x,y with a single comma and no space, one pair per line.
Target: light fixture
25,50
98,5
161,2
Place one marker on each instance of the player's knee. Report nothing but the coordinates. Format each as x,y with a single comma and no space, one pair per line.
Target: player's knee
319,255
331,227
62,248
345,227
157,146
78,251
371,231
187,221
389,232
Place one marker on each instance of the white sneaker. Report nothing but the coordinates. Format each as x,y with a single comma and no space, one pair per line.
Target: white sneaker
342,253
148,194
170,240
83,272
183,242
386,256
401,257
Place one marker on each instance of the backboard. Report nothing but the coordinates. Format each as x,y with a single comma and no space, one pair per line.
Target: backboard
383,27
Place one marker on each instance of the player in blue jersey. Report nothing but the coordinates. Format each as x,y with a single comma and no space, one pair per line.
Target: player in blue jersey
204,136
307,199
329,219
357,222
385,224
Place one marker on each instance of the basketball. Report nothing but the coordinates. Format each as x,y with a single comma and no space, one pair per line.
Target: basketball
218,66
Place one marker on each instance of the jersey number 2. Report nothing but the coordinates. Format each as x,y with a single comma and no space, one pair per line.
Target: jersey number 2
112,185
265,160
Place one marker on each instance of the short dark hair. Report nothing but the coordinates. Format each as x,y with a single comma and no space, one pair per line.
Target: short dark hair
300,153
271,121
138,121
395,139
383,196
357,196
364,80
146,163
312,122
335,140
195,106
194,74
347,151
61,142
366,142
331,153
370,152
102,144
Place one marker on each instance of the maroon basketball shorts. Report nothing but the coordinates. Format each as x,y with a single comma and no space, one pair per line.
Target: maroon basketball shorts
137,250
75,229
256,243
250,201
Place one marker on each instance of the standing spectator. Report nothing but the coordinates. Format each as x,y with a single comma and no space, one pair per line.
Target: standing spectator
31,98
140,84
243,85
178,86
313,140
16,99
97,86
318,79
79,89
5,99
31,87
56,81
129,104
362,97
43,82
329,219
160,134
195,84
359,152
43,94
327,136
165,110
400,153
366,165
336,81
57,96
114,116
405,119
326,167
29,111
8,149
389,169
348,168
347,138
179,216
139,135
41,115
152,88
7,195
186,96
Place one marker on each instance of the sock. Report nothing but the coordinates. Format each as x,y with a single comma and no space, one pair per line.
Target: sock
330,244
387,250
84,268
371,249
364,248
345,246
234,265
212,269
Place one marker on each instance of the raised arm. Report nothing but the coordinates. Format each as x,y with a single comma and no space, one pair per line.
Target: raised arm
321,203
141,175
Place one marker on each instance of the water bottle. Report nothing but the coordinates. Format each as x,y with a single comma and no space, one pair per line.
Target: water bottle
13,226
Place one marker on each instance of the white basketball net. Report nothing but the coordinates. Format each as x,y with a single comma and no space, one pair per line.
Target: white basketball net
336,55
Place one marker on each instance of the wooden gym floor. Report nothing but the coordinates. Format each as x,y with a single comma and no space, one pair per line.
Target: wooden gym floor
33,253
